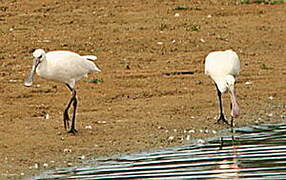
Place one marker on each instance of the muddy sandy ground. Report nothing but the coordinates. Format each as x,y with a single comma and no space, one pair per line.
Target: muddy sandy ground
137,107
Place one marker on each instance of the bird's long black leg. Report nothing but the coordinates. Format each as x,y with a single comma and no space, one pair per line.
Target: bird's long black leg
66,111
221,117
72,129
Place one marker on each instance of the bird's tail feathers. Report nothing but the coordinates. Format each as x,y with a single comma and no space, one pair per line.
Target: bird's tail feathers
90,57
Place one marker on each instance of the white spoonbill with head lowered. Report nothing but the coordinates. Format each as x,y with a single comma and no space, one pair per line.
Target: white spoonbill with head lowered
223,67
66,67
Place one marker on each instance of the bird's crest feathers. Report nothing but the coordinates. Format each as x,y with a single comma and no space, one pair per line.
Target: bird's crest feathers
38,52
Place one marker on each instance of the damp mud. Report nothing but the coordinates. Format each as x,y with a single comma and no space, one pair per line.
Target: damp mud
152,89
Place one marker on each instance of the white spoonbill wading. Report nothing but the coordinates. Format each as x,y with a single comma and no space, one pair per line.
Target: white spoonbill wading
66,67
223,67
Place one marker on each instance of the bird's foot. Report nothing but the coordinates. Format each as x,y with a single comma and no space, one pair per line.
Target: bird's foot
223,120
73,131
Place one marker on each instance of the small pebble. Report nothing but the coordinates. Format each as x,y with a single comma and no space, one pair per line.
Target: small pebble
209,16
46,40
22,174
88,127
69,164
173,41
38,86
82,157
200,141
46,116
202,40
191,131
101,122
214,131
45,165
248,82
270,114
67,150
177,15
171,138
271,97
188,137
160,43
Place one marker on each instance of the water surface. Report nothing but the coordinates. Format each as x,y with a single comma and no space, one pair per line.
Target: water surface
256,152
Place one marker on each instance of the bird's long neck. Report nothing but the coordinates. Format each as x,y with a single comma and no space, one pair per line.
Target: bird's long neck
221,84
42,67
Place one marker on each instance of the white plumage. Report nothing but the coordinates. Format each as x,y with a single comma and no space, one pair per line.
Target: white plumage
62,66
223,67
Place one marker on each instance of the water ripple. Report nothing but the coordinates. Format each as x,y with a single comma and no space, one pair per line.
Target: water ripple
256,152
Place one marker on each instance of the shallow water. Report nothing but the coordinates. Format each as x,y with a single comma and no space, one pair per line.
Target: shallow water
256,152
